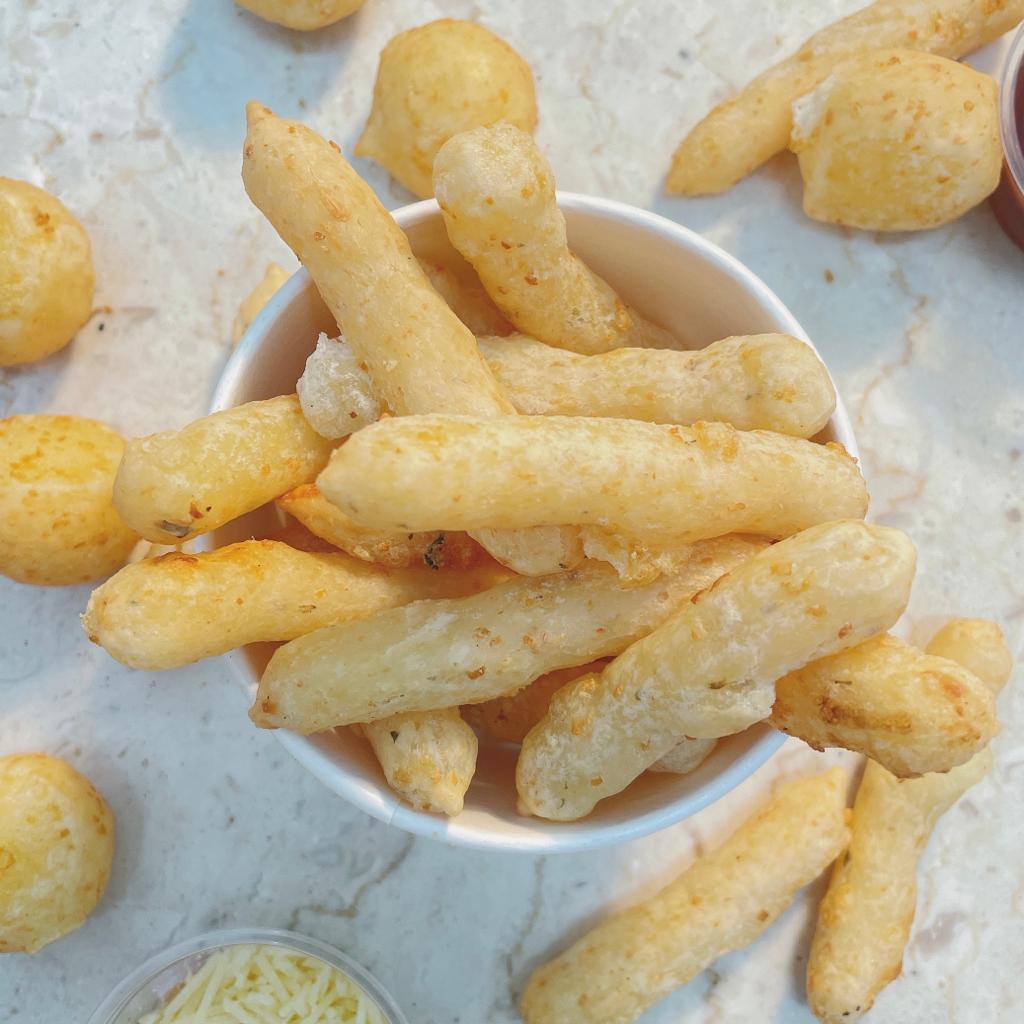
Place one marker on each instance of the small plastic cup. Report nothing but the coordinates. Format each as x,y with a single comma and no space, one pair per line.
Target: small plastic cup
148,987
1008,199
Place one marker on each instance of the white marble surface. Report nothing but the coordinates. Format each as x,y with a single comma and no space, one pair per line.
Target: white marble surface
133,114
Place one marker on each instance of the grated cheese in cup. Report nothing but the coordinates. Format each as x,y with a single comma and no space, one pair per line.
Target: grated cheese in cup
258,984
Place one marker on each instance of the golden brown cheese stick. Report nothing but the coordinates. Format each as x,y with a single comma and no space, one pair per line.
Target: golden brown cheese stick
497,194
709,670
420,356
334,377
865,919
460,473
760,382
508,719
743,132
393,548
719,904
978,645
178,484
911,712
428,757
437,654
458,284
172,610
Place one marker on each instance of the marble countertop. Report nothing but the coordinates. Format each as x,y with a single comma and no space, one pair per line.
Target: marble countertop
132,113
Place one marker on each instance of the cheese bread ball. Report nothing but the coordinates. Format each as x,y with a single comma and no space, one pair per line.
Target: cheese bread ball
896,140
58,524
56,848
304,15
46,275
435,81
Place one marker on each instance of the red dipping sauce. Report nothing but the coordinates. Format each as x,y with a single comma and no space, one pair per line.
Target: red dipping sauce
1008,199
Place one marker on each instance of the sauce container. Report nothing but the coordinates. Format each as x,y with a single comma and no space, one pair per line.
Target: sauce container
1008,199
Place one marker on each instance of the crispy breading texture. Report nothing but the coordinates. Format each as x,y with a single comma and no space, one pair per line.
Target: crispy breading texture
393,548
760,382
58,524
865,919
46,274
419,355
56,848
508,719
497,194
911,712
719,904
743,132
435,81
896,140
178,484
636,559
436,654
428,757
172,610
689,483
709,670
335,392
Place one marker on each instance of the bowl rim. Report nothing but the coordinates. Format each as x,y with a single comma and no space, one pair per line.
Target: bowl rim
214,941
385,805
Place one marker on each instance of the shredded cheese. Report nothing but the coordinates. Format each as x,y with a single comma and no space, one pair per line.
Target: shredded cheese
267,985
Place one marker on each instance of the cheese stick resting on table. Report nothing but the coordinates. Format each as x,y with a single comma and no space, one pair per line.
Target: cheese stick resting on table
911,711
743,132
719,904
865,919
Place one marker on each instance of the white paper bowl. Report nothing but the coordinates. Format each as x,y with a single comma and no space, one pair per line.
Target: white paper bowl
676,278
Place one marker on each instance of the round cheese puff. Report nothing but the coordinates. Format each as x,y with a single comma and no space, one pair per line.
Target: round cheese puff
896,140
435,81
56,847
304,15
58,524
46,275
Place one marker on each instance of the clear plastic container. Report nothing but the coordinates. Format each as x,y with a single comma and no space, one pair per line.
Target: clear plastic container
1008,199
148,986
